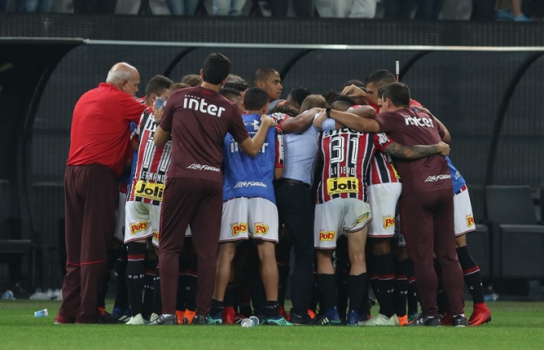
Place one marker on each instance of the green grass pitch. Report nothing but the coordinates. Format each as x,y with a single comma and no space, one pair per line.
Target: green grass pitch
515,325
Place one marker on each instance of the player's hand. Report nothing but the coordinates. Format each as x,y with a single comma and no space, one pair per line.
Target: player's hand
421,109
353,91
443,148
321,117
271,122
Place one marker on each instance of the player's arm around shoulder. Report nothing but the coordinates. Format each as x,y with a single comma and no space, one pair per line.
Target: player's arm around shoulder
252,146
418,151
352,121
300,123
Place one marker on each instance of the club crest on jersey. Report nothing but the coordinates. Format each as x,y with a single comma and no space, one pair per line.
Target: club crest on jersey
388,221
149,190
339,185
200,105
261,229
470,220
239,227
326,236
138,227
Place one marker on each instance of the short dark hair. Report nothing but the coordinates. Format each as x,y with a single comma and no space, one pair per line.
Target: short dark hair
255,99
191,80
313,101
261,74
157,85
398,93
177,86
229,93
342,103
381,78
330,95
286,109
237,83
216,68
299,94
355,82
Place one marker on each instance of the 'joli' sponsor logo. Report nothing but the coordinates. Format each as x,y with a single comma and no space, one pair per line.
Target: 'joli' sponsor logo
238,228
149,190
470,220
388,221
337,185
261,229
326,236
138,227
156,236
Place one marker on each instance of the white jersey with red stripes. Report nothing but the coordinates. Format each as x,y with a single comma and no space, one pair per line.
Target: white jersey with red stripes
347,155
153,162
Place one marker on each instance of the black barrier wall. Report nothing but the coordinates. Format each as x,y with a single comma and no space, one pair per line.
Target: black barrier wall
466,90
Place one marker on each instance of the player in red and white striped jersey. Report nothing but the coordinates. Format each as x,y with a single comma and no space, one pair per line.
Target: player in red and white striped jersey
142,209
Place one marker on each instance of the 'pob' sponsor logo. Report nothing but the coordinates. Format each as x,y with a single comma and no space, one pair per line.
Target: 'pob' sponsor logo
470,220
326,236
240,227
200,105
261,229
138,227
388,221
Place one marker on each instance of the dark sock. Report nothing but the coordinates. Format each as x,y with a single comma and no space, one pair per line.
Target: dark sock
135,275
190,291
180,300
343,295
157,300
217,307
385,284
283,271
473,277
413,297
272,309
442,299
401,291
356,287
230,295
327,287
149,288
120,271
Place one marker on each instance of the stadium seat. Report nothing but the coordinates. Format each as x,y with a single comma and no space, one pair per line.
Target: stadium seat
517,239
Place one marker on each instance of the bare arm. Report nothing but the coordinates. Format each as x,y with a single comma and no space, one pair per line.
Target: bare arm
300,123
355,122
252,145
161,136
417,152
278,173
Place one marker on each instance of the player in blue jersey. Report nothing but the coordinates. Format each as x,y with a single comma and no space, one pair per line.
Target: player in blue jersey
249,207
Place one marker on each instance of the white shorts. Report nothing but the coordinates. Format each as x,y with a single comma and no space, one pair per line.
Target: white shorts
463,218
383,200
245,217
142,221
119,233
334,217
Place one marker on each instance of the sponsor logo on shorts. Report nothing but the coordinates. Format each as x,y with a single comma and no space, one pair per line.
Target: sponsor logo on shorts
239,227
203,167
243,184
261,229
470,220
156,236
388,221
435,178
138,227
149,190
363,218
326,236
338,185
